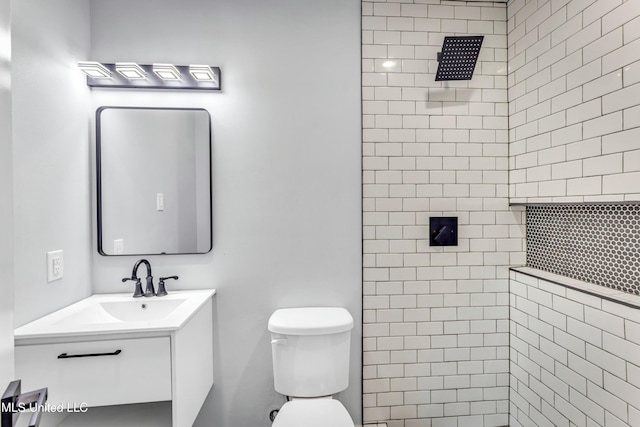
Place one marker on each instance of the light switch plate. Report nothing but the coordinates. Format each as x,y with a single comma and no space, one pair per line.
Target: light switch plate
55,265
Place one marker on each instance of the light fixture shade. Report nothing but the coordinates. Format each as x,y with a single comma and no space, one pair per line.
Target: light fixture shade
131,70
94,69
202,73
167,71
152,76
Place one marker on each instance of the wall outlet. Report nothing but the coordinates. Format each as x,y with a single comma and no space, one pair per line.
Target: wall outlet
55,265
118,246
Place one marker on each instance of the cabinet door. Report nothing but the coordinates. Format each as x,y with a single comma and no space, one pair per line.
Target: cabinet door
98,373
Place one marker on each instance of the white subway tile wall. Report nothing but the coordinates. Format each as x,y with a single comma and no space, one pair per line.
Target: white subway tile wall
575,357
436,325
574,91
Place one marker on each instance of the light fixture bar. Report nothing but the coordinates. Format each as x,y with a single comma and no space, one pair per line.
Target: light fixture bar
130,70
94,69
154,76
167,71
202,73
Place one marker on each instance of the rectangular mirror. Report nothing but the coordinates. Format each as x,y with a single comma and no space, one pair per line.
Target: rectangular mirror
153,181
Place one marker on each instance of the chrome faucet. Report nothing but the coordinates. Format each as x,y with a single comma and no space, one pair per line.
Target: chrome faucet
149,291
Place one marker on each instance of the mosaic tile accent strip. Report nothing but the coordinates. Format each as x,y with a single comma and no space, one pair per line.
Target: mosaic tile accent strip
597,243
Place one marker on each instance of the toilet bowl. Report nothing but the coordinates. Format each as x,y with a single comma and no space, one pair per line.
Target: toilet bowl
315,412
310,347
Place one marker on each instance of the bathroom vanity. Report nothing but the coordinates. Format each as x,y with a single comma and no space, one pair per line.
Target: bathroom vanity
113,349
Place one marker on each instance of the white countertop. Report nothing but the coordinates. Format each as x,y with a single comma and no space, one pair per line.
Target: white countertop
103,314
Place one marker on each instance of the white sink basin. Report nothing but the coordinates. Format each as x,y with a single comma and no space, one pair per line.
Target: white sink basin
117,313
133,310
88,315
141,311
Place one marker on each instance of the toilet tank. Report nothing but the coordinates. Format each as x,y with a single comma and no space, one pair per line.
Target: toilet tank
310,349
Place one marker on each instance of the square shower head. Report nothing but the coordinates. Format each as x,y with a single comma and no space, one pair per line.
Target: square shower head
458,57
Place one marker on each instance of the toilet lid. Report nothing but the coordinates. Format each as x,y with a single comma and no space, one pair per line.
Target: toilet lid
313,413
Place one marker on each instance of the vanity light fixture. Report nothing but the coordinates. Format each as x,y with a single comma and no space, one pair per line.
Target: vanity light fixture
130,75
131,70
94,69
202,73
167,71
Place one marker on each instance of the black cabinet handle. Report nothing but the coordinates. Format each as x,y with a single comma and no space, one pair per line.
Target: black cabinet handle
72,356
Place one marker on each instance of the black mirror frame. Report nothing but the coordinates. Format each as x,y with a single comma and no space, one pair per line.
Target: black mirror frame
99,181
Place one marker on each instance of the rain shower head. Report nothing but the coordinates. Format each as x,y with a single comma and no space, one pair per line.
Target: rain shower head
458,57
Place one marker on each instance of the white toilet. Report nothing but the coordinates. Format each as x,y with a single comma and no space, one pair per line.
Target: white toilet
310,349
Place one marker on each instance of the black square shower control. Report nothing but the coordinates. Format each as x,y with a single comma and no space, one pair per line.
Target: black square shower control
443,231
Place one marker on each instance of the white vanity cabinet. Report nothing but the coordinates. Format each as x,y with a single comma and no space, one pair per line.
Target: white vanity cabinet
136,366
99,373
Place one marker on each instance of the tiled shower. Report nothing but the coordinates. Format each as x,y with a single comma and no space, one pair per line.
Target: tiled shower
452,337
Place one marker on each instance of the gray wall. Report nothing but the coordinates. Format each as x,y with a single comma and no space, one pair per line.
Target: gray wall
50,153
50,156
6,207
286,171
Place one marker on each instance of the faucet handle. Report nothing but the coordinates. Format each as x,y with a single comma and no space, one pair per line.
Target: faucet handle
162,291
138,292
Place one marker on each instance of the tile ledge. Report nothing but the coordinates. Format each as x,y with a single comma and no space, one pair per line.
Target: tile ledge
603,292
